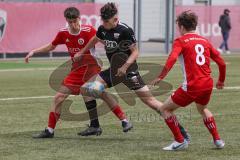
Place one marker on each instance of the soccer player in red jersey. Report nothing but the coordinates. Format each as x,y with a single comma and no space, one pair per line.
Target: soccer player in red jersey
194,53
75,37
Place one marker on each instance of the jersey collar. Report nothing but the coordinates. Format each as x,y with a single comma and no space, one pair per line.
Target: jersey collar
190,33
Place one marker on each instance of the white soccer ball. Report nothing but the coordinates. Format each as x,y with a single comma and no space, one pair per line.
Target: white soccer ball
95,88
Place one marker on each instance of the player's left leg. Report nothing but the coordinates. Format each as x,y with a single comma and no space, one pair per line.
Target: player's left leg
54,113
210,123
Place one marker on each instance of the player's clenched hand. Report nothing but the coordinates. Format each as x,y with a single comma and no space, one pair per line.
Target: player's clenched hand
220,85
155,81
30,54
121,71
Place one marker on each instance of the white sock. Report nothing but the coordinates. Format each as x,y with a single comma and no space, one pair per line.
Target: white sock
51,130
125,120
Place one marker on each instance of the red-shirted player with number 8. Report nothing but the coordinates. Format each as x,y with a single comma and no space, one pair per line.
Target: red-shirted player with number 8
194,53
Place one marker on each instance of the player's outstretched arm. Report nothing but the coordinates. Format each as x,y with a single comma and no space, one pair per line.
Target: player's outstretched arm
91,44
43,49
216,57
177,48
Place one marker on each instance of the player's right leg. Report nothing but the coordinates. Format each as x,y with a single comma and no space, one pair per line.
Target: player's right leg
146,97
54,113
180,98
94,127
210,123
117,110
171,120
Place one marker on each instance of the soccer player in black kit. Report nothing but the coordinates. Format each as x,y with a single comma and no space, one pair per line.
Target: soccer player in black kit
121,50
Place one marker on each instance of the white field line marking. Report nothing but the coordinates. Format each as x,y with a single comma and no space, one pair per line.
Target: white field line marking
53,68
115,93
27,69
25,98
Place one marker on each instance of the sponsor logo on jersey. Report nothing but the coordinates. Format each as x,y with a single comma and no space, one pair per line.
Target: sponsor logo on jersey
73,50
3,22
110,44
116,35
81,41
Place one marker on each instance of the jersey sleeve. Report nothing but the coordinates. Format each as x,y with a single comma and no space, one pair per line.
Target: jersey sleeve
99,33
90,36
128,35
216,57
177,48
92,33
58,39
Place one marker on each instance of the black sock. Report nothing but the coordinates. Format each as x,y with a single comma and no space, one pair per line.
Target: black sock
183,131
92,111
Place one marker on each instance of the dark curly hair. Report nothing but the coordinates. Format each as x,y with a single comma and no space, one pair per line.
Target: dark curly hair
108,11
188,20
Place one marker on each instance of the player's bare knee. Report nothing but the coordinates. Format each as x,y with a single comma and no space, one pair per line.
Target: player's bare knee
165,110
166,113
200,111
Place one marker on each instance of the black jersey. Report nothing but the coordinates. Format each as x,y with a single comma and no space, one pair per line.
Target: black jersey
117,45
117,40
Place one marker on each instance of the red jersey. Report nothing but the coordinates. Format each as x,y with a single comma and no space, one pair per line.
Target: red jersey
87,67
194,53
76,42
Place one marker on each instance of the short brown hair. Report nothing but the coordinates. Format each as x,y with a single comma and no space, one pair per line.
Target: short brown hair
108,11
71,13
188,20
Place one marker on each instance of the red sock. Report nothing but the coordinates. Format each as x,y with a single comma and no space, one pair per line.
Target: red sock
172,123
52,120
212,128
118,112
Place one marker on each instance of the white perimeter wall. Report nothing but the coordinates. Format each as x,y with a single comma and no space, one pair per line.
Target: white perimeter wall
153,16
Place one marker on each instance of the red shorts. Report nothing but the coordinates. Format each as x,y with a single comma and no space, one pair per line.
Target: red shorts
77,77
184,98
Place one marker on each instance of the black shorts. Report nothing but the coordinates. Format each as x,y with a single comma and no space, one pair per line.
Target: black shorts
132,80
